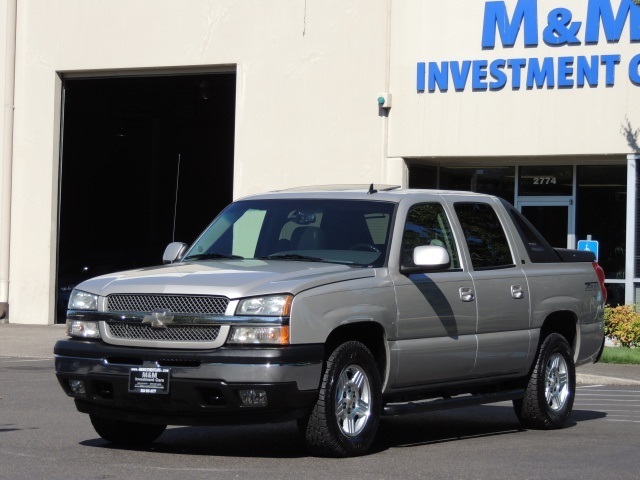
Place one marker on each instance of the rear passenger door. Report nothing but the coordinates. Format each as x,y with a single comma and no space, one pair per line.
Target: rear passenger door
500,289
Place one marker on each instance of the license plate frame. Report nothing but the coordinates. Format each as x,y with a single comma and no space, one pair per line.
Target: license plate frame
149,380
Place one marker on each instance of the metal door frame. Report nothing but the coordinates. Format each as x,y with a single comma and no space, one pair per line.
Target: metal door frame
554,202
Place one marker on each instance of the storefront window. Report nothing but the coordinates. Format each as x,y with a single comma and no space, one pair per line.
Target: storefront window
547,180
601,209
423,176
498,181
637,246
615,294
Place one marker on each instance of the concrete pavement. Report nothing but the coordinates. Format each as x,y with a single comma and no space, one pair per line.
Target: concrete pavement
36,341
29,341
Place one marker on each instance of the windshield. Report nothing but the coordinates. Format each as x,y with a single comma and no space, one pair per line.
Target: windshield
351,232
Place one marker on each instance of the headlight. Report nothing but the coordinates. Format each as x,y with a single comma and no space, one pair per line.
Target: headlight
83,329
259,335
80,300
272,306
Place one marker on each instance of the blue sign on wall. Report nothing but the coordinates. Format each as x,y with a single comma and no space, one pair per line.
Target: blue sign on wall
557,28
589,246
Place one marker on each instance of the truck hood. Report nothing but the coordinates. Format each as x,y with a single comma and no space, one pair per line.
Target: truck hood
229,278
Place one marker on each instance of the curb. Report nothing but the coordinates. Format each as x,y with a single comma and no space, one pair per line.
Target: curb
586,379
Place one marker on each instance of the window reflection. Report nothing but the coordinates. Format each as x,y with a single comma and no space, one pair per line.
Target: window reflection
498,181
615,294
601,211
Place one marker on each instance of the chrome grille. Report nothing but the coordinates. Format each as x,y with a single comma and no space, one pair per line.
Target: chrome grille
174,303
172,333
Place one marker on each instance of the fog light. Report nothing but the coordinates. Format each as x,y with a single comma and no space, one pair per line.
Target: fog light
77,387
253,398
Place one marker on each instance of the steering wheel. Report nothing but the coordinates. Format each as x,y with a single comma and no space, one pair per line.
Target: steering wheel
365,247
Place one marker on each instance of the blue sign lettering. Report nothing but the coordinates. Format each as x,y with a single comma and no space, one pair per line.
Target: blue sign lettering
588,71
516,65
480,74
438,76
496,69
497,20
561,30
610,62
459,74
634,70
600,12
549,72
565,72
537,75
422,73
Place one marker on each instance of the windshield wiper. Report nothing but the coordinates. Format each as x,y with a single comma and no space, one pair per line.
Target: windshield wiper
212,256
292,256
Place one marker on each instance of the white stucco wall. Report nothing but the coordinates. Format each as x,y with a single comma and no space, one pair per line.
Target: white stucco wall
308,76
540,121
3,38
6,67
309,72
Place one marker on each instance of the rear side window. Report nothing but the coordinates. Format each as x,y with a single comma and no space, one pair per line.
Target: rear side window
485,237
537,247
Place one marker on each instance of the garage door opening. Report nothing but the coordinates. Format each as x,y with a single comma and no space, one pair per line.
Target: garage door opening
145,161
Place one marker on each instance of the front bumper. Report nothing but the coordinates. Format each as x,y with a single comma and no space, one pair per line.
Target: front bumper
204,385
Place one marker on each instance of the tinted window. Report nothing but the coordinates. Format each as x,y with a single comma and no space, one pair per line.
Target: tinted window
338,231
423,176
537,247
498,181
485,237
545,180
427,224
601,212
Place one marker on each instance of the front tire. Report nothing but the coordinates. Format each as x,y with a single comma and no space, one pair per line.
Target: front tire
346,416
126,433
550,391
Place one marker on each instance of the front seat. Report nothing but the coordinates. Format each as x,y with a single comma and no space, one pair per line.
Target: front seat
308,238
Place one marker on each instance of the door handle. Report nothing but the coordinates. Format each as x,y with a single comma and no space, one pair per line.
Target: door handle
467,294
517,292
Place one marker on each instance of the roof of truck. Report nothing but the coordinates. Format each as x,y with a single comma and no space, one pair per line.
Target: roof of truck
393,193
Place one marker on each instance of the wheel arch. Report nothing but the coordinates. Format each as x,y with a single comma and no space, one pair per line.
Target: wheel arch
563,322
370,334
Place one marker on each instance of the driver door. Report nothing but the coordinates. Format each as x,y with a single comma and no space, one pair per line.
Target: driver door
436,318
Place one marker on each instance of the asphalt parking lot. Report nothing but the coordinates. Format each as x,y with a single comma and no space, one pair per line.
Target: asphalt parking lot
43,436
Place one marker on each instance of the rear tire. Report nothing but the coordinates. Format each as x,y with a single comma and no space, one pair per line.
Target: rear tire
345,419
126,433
550,391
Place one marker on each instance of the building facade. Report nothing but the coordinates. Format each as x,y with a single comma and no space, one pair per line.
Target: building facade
128,124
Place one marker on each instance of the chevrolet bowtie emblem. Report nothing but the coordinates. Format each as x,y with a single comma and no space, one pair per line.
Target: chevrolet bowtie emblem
159,318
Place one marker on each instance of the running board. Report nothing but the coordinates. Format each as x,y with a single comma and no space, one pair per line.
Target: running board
394,409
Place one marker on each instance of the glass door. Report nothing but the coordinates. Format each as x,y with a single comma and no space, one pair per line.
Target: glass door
553,219
545,197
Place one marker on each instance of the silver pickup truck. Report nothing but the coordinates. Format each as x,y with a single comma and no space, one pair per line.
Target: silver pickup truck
334,307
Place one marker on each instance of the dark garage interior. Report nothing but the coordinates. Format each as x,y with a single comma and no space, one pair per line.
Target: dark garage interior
145,161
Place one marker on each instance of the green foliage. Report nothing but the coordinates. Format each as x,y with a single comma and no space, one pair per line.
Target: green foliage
622,324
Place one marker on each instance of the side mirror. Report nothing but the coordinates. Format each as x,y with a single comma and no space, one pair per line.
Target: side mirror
428,258
174,252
